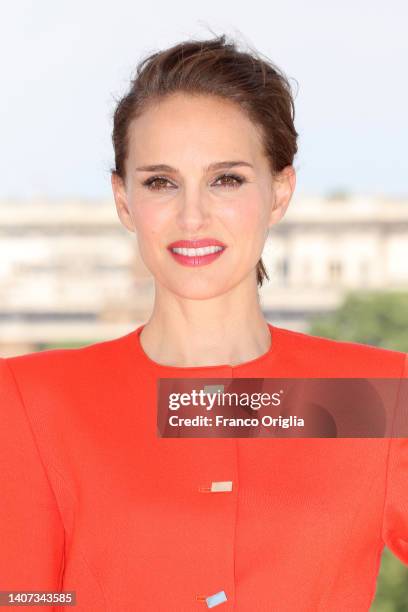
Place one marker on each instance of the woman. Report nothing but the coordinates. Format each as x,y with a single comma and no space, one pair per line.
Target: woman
93,499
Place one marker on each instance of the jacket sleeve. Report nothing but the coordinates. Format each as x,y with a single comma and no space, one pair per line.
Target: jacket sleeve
395,524
31,528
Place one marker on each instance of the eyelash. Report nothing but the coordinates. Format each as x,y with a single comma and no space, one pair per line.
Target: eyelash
239,181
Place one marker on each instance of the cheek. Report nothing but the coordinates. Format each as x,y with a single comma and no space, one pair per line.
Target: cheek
151,222
247,222
246,216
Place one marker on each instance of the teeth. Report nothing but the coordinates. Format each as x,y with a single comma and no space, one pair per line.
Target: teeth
195,252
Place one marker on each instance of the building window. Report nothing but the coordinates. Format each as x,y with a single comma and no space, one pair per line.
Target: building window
335,270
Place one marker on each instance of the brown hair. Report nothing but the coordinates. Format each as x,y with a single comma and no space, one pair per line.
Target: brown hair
214,67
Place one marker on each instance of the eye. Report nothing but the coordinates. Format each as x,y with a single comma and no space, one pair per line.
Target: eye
155,183
233,180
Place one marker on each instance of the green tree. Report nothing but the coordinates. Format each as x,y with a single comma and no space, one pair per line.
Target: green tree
370,317
379,319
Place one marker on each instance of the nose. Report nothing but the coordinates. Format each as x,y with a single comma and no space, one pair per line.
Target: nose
194,210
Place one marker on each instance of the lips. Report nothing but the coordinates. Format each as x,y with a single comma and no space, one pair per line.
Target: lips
192,251
196,244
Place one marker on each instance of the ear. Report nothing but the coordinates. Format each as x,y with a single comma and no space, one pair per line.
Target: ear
122,208
284,183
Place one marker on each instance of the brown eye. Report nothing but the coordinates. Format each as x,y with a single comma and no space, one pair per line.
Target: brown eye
155,183
232,180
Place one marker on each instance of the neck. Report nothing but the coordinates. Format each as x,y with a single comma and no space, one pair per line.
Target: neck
223,330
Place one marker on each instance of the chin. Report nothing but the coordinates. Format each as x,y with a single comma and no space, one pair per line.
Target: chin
197,290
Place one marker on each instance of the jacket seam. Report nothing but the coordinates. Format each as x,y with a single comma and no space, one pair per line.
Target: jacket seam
50,466
325,598
79,547
25,412
387,475
380,544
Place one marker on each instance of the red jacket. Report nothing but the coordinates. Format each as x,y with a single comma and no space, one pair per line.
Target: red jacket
93,501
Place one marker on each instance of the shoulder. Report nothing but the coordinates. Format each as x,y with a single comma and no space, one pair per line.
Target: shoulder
66,362
352,358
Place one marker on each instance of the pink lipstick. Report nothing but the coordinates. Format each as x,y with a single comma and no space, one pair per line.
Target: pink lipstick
198,252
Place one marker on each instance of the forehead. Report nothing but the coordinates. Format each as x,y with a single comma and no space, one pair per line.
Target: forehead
194,124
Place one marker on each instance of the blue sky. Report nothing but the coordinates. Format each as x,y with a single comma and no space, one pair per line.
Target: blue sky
63,63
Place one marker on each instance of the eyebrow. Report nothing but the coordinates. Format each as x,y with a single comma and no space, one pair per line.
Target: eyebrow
214,166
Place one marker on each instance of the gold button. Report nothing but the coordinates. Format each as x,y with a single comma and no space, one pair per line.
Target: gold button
219,486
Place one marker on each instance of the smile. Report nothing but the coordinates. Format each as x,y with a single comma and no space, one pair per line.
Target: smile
196,257
201,251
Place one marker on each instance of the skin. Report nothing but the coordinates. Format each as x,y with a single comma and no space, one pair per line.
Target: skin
198,310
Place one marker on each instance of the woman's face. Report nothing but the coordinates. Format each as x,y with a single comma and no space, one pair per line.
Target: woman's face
191,198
